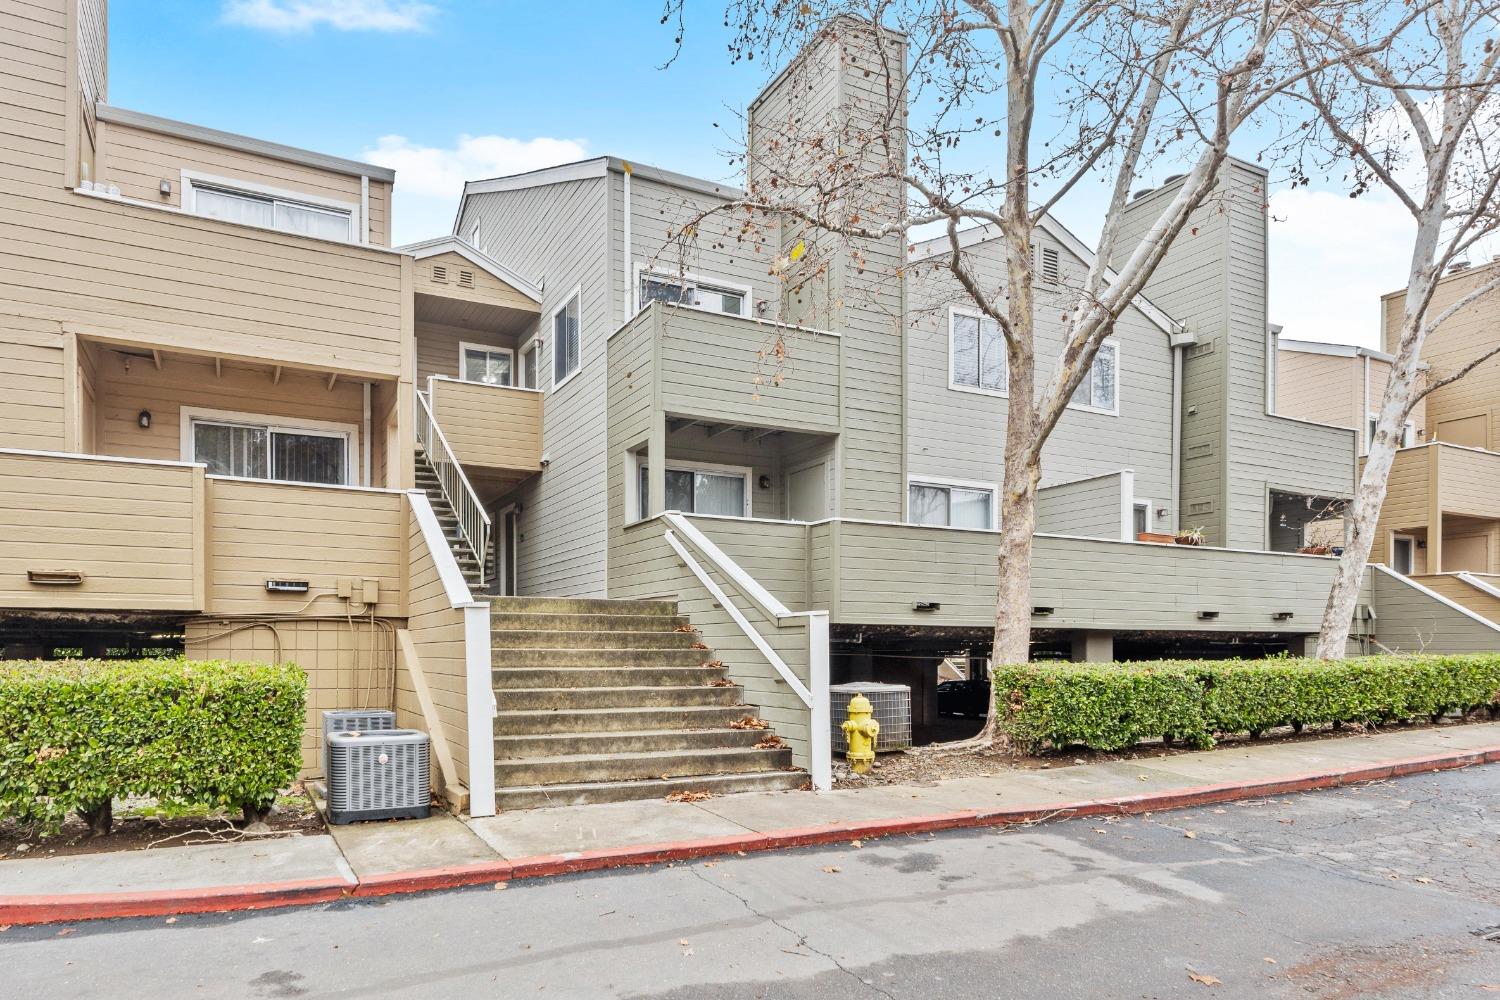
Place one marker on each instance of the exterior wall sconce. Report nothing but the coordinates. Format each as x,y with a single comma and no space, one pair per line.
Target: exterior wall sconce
165,187
765,482
144,420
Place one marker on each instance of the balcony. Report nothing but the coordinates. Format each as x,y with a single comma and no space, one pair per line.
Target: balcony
494,431
727,371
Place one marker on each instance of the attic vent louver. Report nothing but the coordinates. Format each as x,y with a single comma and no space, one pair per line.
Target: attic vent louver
440,273
465,279
1049,265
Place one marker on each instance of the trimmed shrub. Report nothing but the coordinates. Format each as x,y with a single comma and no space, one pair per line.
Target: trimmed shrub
1111,706
75,734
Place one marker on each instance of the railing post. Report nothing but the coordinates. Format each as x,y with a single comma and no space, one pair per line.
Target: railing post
820,740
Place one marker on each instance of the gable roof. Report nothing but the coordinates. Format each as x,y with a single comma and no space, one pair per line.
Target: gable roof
481,260
975,235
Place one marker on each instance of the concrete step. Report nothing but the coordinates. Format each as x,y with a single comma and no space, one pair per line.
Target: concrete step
548,639
583,793
582,606
628,741
637,766
506,658
569,677
635,718
533,699
504,622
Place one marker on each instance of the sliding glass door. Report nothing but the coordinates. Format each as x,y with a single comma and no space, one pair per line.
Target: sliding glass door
264,451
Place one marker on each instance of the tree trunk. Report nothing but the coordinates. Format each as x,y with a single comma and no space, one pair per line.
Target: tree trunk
100,817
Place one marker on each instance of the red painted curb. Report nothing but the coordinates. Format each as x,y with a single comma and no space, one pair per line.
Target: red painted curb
25,910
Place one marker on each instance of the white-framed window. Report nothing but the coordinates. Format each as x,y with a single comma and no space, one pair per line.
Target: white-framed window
708,294
951,504
487,364
976,351
693,488
258,205
256,447
531,361
1100,390
565,340
1408,432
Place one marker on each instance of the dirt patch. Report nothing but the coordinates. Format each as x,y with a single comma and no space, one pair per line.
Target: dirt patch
141,824
936,762
1357,971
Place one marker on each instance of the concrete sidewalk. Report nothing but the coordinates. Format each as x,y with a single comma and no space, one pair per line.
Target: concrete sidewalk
373,859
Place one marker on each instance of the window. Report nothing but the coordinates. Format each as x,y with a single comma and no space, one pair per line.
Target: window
1100,388
530,364
951,506
1408,432
1142,522
253,450
265,207
490,365
688,290
977,348
565,341
725,492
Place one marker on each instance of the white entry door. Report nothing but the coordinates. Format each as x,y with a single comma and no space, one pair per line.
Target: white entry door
807,493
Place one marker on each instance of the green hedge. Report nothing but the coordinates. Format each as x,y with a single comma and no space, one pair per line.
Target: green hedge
1112,706
74,734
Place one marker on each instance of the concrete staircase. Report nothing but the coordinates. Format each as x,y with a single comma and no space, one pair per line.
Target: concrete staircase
468,562
604,701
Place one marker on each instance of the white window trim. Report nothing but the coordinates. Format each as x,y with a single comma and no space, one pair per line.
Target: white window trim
977,390
349,432
1408,433
1398,536
963,484
464,346
747,292
1150,515
1119,362
191,179
635,460
534,341
576,293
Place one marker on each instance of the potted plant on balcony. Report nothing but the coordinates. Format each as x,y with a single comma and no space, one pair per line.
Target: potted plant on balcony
1159,537
1190,536
1315,550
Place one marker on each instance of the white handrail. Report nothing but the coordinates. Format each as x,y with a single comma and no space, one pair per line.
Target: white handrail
473,522
813,694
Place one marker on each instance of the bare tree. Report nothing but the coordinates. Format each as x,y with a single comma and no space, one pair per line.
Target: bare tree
1420,117
1046,95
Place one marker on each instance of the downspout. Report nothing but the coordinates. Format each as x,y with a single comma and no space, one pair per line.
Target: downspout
628,293
364,439
1177,350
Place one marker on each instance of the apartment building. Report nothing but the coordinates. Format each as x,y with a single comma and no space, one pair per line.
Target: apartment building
492,479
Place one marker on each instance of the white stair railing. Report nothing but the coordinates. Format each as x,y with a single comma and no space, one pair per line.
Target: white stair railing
473,522
813,694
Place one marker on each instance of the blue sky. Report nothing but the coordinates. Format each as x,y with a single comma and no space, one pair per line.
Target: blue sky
445,90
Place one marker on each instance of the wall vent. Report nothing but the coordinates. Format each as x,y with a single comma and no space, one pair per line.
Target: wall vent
440,273
55,577
465,279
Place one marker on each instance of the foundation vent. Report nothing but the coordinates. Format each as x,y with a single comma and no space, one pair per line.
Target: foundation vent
892,705
380,775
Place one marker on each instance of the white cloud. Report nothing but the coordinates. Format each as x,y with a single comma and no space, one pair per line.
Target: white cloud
1331,259
429,179
343,15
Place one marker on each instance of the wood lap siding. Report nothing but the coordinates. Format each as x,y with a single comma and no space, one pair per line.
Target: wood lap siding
130,528
265,531
1406,502
561,231
490,427
1090,508
437,631
1410,621
1322,388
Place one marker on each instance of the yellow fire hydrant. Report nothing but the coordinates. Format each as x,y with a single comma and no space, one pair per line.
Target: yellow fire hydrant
860,731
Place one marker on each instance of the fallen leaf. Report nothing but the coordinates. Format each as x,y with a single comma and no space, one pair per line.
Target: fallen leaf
1490,987
66,931
831,869
1424,881
1190,834
689,796
1205,979
501,885
1268,960
170,920
1100,829
856,843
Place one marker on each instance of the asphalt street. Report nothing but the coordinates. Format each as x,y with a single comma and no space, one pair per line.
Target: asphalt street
1384,890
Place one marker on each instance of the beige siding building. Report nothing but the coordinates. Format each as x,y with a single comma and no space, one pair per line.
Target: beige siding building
573,491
